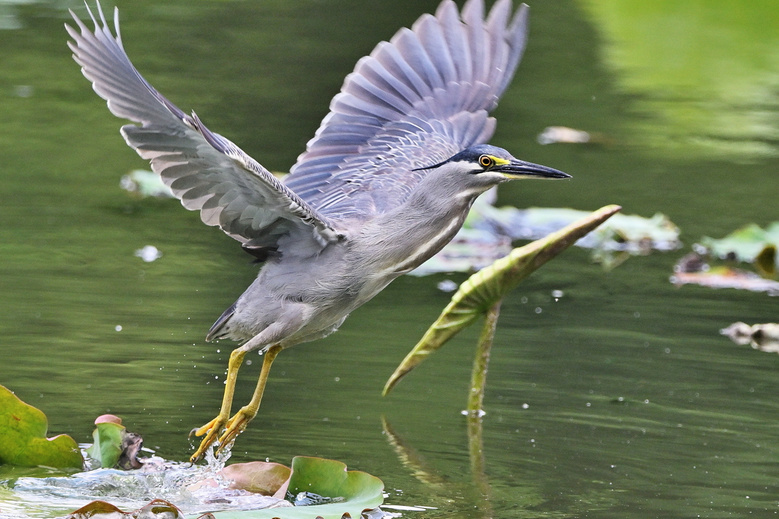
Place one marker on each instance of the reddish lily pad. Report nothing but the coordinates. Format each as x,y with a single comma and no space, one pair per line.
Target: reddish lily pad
726,277
259,477
23,440
155,508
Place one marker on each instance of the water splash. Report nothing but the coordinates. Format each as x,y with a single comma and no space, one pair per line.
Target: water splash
195,489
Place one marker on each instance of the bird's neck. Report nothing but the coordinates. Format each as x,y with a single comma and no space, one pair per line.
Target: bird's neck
403,239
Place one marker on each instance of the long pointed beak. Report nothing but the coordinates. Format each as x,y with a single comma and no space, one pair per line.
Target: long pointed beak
521,169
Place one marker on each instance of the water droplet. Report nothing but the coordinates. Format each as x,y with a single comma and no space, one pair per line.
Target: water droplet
447,285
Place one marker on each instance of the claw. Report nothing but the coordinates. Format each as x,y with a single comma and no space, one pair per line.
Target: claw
211,430
235,426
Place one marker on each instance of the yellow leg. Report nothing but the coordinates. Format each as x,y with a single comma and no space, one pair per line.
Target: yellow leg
212,428
241,419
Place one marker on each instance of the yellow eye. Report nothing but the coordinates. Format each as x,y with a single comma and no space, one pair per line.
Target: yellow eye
486,161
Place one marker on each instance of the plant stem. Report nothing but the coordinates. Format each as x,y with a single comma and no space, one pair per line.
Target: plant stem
482,360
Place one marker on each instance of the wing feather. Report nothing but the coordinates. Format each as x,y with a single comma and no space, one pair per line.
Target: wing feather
415,101
206,171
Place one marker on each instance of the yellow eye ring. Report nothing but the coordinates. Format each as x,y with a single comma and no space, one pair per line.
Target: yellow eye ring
486,161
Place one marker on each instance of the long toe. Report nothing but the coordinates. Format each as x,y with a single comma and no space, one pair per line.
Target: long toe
214,425
235,426
211,431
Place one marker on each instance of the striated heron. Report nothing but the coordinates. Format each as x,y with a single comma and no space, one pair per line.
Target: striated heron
384,184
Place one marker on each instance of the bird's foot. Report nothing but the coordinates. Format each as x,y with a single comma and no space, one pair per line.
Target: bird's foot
230,430
235,426
211,431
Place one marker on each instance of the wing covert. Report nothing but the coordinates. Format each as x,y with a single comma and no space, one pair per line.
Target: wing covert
414,101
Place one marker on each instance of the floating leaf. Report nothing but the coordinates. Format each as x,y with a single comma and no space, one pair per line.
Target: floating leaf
763,337
355,490
469,251
23,439
489,286
259,477
155,508
726,277
630,233
749,244
488,232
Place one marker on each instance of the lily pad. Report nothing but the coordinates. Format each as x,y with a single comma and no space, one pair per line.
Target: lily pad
749,244
489,231
727,277
23,440
259,477
623,232
155,508
350,491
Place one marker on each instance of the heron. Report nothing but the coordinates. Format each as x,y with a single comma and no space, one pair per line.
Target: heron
384,184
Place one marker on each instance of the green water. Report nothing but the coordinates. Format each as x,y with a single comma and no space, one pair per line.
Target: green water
619,399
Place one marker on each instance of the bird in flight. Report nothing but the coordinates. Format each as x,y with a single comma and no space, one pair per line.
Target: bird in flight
385,183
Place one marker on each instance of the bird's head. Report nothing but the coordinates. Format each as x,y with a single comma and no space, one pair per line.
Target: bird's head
484,165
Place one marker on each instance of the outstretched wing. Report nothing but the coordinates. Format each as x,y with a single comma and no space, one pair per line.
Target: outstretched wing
207,172
415,101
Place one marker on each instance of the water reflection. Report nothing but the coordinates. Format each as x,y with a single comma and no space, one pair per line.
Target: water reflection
703,77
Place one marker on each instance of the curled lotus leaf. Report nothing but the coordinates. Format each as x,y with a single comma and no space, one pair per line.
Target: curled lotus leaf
490,285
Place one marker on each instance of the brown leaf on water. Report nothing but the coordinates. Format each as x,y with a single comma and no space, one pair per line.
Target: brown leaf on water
155,508
259,477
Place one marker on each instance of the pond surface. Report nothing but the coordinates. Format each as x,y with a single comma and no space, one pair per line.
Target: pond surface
618,399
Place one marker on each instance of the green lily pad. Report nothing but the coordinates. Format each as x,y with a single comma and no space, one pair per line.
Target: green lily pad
331,479
23,440
485,289
749,244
